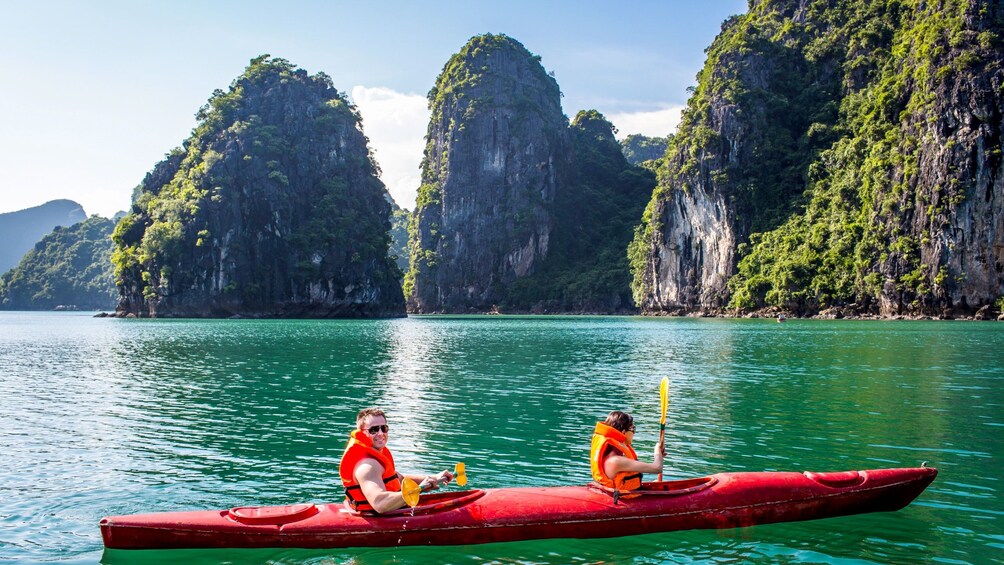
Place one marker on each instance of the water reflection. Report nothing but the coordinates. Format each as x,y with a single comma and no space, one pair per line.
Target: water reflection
414,387
117,416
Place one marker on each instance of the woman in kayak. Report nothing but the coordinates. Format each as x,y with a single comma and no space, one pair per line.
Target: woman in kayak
372,484
614,461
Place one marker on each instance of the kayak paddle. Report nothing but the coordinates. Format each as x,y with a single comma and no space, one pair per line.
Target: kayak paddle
663,404
411,492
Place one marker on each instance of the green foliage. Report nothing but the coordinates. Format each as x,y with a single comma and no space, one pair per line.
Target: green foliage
638,250
866,176
832,108
638,148
273,194
21,230
471,81
586,268
399,237
70,267
762,111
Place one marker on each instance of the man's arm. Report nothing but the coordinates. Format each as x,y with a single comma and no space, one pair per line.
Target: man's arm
369,473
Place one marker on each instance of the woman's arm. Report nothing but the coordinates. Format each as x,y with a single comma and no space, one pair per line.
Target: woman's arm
619,464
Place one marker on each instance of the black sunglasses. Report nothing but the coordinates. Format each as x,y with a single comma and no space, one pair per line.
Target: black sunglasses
381,428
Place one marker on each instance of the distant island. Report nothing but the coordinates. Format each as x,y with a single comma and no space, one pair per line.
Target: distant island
21,230
69,269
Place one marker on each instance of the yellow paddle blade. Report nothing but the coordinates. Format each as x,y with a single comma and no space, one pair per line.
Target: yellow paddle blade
663,398
410,492
460,474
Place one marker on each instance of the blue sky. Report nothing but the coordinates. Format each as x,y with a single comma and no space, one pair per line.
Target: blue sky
93,94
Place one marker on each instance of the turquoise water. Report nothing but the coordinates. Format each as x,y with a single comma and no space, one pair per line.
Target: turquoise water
107,416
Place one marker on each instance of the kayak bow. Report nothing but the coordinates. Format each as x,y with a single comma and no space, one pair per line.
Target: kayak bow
724,500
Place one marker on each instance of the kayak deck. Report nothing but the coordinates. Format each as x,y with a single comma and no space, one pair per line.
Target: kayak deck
725,500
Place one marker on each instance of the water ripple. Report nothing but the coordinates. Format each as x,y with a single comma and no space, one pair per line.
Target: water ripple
106,417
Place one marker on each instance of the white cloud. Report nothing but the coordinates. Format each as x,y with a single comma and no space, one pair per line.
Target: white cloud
395,124
658,123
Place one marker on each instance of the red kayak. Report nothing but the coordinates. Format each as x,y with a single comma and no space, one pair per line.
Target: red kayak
725,500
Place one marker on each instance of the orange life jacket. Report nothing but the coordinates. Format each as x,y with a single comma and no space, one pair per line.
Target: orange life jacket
360,447
608,441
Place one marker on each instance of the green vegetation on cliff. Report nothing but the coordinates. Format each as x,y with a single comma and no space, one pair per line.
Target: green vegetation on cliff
399,237
271,207
899,59
21,230
843,137
70,267
753,124
459,76
518,210
586,269
496,147
639,148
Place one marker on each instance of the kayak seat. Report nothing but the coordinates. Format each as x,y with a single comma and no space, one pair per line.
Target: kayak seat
840,479
664,488
272,515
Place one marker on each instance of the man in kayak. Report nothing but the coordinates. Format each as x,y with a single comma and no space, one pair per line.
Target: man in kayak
614,462
372,484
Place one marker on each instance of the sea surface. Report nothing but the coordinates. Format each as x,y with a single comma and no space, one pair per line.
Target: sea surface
107,416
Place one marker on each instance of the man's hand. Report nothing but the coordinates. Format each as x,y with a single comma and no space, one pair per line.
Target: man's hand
432,482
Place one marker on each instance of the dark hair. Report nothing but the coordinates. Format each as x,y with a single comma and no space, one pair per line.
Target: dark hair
620,421
368,412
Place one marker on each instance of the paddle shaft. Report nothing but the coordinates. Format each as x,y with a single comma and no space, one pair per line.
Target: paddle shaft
435,482
662,436
663,405
410,490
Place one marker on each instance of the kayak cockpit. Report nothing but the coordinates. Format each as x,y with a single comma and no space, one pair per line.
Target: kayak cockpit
272,515
838,479
663,488
430,503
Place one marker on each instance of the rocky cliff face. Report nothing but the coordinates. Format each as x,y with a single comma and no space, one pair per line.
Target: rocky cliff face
951,201
836,156
496,149
690,256
594,213
272,208
736,164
